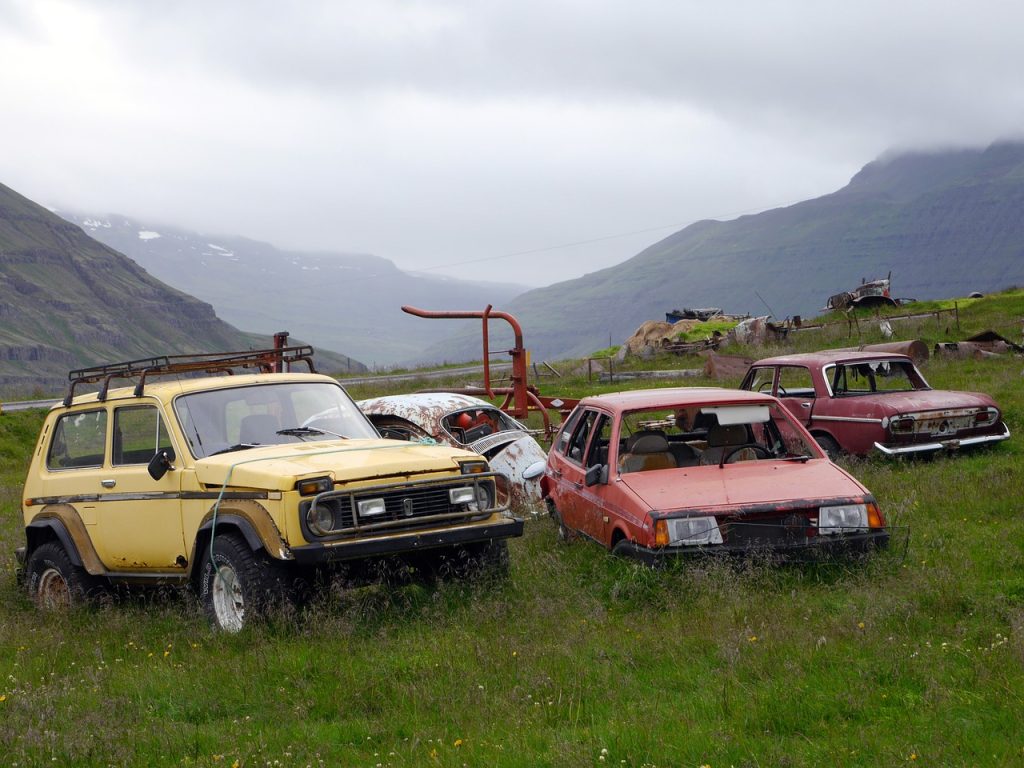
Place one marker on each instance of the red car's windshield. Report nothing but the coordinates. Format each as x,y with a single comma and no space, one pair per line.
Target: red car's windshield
687,436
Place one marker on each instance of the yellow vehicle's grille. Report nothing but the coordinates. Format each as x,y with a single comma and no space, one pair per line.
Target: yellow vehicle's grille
404,507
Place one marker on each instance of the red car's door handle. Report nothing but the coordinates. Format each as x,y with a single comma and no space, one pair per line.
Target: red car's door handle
805,405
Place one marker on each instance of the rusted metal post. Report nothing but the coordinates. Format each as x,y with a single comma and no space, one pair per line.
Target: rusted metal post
520,395
280,342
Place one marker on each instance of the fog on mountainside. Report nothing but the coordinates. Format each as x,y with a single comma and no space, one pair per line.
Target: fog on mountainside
341,301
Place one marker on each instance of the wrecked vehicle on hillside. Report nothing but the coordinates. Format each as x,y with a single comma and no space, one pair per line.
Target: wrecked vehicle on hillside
869,294
859,402
241,486
466,422
661,473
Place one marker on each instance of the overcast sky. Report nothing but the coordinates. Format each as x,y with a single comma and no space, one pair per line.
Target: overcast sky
433,133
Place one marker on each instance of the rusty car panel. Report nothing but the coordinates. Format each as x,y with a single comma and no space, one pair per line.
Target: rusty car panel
467,422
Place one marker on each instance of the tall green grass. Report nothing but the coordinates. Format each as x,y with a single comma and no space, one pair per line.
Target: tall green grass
914,656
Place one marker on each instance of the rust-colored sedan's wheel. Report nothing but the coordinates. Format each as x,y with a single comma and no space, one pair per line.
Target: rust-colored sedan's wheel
829,446
54,582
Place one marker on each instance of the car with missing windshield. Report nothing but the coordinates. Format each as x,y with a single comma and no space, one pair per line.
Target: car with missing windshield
859,402
661,473
241,486
463,421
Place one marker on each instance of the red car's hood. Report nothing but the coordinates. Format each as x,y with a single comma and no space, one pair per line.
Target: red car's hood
741,484
931,400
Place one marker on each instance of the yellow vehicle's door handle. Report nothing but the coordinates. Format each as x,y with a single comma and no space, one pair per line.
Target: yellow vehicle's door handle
108,483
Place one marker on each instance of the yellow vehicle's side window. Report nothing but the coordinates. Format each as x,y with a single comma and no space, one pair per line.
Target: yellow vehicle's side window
79,440
139,433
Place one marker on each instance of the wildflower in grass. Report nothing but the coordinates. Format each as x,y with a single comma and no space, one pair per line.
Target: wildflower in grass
913,756
3,698
458,742
860,625
752,639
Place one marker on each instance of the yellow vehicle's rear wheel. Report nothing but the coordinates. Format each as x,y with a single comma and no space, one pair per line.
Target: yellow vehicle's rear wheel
54,582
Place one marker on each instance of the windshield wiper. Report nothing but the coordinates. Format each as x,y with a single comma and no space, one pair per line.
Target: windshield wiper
802,458
235,447
309,432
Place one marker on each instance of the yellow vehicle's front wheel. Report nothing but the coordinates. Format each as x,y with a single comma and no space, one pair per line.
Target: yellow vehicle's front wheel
238,585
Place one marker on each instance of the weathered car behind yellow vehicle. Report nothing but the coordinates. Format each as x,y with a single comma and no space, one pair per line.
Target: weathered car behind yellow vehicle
242,485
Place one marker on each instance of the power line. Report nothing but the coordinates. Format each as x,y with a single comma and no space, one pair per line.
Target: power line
592,240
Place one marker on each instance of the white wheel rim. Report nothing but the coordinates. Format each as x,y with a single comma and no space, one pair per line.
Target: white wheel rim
228,604
53,590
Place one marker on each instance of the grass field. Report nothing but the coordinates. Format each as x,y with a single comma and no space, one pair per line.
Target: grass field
912,657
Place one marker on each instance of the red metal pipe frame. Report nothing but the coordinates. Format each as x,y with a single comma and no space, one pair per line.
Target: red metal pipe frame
519,391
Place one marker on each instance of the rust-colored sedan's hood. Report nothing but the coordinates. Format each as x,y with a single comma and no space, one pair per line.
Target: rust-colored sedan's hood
741,484
276,467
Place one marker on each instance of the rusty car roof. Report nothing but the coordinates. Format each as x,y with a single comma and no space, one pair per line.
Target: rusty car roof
671,397
829,356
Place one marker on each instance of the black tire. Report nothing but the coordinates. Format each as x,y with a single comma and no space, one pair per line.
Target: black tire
829,446
622,548
243,585
54,582
493,560
473,562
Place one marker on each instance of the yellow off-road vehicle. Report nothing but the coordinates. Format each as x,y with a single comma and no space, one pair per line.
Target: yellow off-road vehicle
240,485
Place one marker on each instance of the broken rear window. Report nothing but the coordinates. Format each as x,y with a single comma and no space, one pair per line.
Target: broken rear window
872,376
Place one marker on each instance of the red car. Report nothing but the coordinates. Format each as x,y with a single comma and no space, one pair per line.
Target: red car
856,402
664,472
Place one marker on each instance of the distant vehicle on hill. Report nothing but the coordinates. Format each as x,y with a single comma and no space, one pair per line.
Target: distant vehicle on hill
873,293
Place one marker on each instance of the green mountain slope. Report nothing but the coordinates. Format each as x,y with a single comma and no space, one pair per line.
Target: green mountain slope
67,301
944,224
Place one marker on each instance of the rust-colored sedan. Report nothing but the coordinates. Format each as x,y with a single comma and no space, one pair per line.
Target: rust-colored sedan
664,472
859,402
